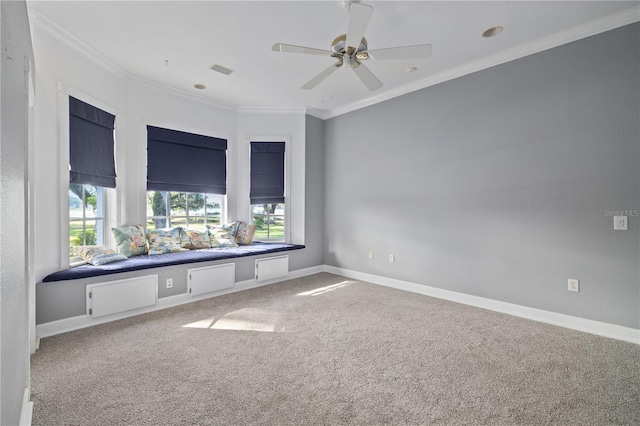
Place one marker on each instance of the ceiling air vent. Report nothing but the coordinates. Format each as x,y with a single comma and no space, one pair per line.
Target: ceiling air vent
221,69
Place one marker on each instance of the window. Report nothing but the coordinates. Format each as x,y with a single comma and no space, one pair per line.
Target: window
86,216
269,221
267,190
91,170
187,209
186,179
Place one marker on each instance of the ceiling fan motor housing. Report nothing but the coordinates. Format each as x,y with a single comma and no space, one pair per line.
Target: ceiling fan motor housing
339,47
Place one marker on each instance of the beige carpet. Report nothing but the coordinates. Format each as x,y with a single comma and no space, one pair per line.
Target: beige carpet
328,350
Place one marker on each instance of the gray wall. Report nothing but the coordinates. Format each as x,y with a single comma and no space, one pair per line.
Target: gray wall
14,365
496,184
313,254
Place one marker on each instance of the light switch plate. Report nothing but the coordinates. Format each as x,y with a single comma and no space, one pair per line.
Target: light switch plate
620,223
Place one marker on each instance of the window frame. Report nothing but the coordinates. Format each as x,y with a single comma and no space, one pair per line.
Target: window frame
287,182
109,194
223,202
269,215
100,233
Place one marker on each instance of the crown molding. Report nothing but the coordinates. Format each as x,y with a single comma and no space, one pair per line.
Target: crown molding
283,110
598,26
43,23
175,91
321,114
272,109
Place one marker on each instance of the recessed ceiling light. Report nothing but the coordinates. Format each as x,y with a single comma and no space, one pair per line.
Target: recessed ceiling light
200,86
493,31
412,69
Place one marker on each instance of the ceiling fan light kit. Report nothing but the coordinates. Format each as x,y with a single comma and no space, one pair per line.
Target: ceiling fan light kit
351,49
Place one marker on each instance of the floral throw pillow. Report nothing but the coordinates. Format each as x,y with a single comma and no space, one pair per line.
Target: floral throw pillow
223,235
165,241
130,240
194,240
245,234
98,255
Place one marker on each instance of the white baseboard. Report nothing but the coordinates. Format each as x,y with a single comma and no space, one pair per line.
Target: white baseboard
82,321
613,331
27,409
253,283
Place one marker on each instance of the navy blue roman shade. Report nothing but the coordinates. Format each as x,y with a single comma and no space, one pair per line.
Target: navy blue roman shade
185,162
267,172
91,157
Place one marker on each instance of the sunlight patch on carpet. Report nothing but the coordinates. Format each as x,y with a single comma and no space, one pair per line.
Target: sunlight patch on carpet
248,319
323,290
242,325
205,323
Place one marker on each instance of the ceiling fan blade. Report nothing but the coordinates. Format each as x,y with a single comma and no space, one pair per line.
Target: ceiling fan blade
420,51
290,48
320,77
359,17
367,77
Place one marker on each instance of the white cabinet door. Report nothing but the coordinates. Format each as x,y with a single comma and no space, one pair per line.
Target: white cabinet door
211,278
122,295
272,267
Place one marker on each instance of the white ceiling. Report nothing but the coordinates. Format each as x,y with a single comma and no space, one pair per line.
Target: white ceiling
175,42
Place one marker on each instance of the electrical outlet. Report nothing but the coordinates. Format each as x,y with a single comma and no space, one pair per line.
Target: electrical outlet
620,223
574,285
169,282
370,254
392,258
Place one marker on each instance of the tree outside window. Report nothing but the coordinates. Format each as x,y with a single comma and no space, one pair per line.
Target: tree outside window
86,216
269,221
186,209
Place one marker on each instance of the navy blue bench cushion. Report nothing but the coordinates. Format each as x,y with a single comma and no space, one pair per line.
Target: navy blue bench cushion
137,263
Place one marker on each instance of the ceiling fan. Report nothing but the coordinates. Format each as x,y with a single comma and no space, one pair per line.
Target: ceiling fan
351,50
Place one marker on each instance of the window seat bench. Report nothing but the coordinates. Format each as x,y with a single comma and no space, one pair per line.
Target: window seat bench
180,258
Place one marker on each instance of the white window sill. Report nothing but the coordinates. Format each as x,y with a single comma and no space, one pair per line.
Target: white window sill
76,261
